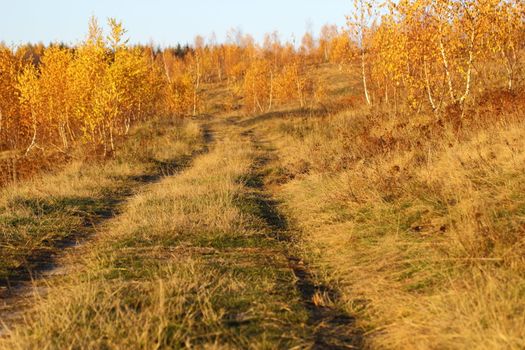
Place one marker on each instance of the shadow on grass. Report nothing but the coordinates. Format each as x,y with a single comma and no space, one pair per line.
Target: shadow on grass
57,224
56,221
333,328
290,113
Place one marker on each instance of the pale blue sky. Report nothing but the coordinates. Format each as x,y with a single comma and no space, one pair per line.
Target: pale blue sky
165,22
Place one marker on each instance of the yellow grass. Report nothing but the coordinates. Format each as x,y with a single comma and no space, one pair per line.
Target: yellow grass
187,264
425,239
417,220
37,212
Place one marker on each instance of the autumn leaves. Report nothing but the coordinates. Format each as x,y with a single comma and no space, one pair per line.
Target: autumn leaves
266,85
92,92
52,97
417,54
437,53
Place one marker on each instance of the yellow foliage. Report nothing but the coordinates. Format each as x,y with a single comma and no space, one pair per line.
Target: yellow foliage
9,103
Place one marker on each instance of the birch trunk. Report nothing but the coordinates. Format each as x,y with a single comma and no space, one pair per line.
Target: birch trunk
271,92
365,85
469,67
429,89
447,69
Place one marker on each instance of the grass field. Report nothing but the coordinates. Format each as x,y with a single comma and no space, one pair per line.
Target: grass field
419,225
40,216
336,227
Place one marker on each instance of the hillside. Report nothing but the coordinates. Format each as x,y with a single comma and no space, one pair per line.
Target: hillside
336,194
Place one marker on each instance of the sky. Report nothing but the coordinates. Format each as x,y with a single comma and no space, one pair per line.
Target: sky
165,22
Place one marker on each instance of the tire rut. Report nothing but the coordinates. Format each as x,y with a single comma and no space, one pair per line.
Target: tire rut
29,281
333,328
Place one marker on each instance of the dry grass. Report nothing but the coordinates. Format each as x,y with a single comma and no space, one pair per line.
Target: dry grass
419,222
188,264
34,214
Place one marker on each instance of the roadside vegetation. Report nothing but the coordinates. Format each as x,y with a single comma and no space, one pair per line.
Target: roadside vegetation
418,221
364,188
38,217
190,262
